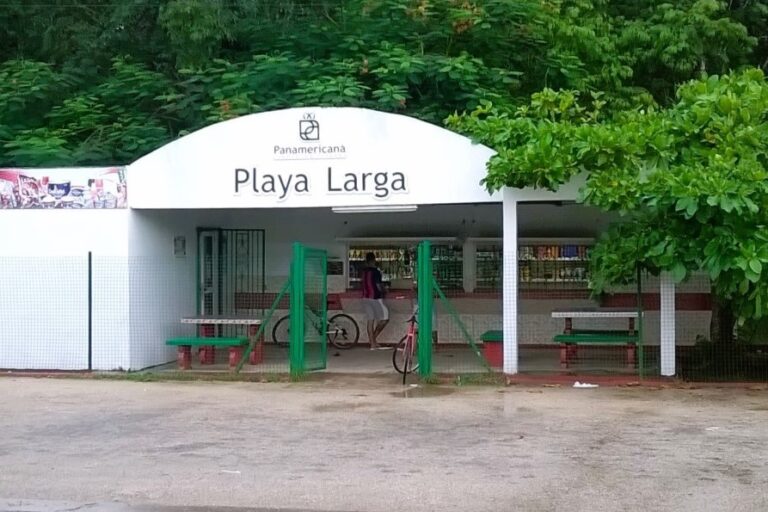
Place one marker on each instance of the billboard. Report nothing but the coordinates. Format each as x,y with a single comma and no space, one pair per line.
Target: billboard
71,188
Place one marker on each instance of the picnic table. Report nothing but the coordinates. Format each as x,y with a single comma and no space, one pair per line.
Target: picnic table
571,338
207,341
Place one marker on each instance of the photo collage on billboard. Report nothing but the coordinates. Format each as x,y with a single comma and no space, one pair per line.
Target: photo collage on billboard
70,188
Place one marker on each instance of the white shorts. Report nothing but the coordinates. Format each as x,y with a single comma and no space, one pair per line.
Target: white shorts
375,309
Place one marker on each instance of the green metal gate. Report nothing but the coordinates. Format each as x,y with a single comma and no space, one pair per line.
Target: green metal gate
309,309
425,294
428,288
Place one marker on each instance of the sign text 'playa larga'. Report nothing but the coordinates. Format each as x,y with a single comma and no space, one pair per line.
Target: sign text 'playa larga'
378,184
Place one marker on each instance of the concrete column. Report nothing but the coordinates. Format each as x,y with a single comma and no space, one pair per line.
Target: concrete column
667,318
509,289
469,255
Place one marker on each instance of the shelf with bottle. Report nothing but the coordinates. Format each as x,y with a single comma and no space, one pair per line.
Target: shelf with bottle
546,272
489,263
394,261
554,252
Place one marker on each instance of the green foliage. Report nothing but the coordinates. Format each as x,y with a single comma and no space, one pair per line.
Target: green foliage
710,361
691,179
27,91
673,41
203,61
111,121
196,28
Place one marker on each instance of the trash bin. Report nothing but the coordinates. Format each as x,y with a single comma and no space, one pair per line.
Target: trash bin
493,348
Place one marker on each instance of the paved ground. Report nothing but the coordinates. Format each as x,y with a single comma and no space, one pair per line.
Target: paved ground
363,445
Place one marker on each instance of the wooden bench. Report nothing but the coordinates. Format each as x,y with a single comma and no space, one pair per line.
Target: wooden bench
236,346
571,338
569,343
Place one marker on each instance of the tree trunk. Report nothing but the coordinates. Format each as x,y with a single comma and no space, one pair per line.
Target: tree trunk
721,327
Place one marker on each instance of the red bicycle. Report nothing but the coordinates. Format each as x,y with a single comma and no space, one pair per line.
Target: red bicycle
405,357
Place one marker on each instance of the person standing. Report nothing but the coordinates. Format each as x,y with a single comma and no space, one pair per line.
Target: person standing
373,301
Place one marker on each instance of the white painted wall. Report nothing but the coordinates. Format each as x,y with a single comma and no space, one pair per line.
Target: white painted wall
141,290
111,311
162,286
44,288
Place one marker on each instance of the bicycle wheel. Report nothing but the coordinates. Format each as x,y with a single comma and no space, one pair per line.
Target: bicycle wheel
281,332
399,358
343,331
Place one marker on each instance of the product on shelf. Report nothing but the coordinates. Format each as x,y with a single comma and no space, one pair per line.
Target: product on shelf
398,264
548,266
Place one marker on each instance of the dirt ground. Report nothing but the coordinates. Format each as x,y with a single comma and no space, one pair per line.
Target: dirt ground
356,444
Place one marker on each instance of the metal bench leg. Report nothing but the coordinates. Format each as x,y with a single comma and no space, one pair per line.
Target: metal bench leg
631,356
257,354
184,356
207,354
235,354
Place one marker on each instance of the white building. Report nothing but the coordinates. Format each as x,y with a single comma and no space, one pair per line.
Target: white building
102,284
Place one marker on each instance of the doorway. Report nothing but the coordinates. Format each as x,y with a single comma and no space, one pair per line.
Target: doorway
231,271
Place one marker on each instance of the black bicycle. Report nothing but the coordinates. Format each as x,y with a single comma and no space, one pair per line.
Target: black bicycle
341,330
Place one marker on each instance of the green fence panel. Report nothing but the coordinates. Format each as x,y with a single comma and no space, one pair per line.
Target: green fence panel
309,314
265,321
424,281
479,359
640,347
315,309
296,329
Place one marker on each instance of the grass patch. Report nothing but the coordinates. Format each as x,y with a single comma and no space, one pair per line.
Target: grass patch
431,380
469,379
480,379
188,377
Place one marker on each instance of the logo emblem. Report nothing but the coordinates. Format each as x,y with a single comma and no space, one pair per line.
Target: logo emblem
309,128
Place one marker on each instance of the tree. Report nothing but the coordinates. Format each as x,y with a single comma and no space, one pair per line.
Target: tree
691,181
210,60
668,43
109,122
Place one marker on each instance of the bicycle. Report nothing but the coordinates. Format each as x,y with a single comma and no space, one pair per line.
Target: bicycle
341,331
405,357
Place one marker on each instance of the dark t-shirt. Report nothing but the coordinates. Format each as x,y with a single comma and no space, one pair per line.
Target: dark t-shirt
371,283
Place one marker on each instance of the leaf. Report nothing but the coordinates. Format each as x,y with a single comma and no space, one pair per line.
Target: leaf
751,206
743,287
725,104
658,249
727,204
715,270
691,209
755,265
678,272
682,204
